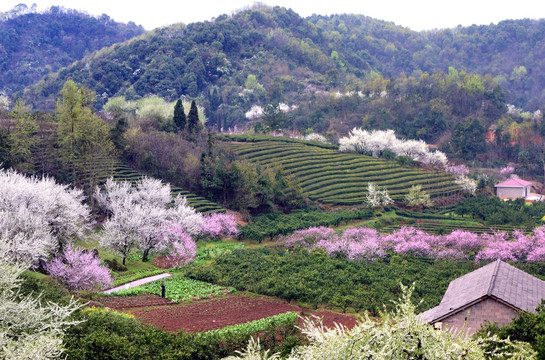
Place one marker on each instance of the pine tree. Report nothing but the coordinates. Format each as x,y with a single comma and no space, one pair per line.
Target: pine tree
193,125
179,116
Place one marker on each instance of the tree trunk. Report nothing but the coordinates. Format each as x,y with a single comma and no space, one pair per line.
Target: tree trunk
145,255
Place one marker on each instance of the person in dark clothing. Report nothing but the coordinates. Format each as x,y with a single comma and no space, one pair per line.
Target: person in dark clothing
163,290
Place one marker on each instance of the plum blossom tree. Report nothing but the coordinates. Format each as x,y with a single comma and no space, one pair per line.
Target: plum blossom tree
218,225
183,247
254,113
376,197
316,137
140,214
468,185
79,270
376,142
416,197
365,243
38,217
26,235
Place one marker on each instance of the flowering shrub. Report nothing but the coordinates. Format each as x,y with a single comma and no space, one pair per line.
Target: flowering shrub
79,270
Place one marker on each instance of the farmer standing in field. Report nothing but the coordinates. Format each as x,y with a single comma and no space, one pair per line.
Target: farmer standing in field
163,290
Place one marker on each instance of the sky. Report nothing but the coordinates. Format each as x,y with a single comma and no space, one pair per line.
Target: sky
416,14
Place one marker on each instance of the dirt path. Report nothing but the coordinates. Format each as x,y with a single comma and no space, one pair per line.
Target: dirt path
137,282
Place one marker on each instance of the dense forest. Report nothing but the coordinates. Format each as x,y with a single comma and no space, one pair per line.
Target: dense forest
33,44
286,53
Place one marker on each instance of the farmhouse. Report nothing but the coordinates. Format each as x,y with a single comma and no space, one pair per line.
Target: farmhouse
494,293
513,188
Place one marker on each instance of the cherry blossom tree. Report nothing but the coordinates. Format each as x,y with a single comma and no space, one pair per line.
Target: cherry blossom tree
356,243
38,217
506,171
365,243
78,270
537,250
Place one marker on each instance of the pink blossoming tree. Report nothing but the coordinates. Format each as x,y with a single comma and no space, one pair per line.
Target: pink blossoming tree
365,243
79,270
217,225
182,247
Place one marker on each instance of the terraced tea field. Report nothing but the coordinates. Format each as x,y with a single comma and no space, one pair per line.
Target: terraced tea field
330,177
435,227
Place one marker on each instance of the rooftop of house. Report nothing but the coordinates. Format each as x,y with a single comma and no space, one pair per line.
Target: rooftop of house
514,183
497,280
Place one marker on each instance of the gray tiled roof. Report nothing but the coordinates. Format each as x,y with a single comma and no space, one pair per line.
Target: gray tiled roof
498,279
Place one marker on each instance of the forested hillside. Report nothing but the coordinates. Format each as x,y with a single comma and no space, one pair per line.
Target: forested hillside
287,53
270,69
33,44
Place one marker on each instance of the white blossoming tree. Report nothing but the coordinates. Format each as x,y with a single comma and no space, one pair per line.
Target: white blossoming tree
376,142
38,217
377,197
139,216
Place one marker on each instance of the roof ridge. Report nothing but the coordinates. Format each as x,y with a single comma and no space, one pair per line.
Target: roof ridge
493,279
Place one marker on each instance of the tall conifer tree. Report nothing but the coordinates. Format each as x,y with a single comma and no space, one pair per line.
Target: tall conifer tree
179,116
193,125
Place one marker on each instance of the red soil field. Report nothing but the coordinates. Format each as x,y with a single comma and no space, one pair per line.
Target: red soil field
136,301
213,313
